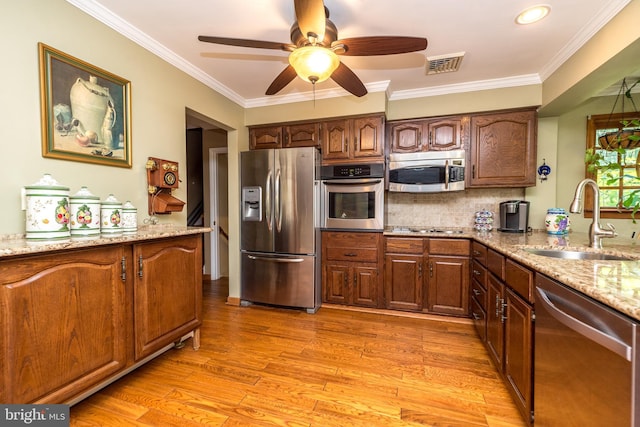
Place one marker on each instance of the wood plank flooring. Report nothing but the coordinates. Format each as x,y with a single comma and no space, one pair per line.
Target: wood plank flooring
264,366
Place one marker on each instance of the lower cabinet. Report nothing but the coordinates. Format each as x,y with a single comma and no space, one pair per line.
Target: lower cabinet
68,320
350,274
448,276
404,273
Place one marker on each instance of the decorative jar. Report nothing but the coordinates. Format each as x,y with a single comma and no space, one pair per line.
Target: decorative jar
111,216
557,221
129,218
85,213
47,209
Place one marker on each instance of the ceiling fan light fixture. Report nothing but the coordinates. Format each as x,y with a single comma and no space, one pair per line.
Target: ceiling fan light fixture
533,14
314,64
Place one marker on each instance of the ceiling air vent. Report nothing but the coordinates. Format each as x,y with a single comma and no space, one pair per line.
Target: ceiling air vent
444,63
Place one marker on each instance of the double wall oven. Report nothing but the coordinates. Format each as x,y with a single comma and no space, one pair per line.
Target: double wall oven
353,196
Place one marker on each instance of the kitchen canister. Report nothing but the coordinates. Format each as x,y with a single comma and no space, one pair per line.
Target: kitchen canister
111,216
129,218
85,213
47,209
556,221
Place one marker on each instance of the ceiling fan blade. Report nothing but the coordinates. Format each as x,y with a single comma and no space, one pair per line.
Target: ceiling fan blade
283,79
348,80
311,17
247,43
381,45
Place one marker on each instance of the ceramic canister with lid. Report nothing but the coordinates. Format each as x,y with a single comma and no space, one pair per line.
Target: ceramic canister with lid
556,221
129,218
85,213
111,215
47,209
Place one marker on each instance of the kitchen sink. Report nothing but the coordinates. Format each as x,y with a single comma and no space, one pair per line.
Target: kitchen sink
567,254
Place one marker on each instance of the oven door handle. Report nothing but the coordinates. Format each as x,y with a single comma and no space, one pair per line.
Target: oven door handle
351,182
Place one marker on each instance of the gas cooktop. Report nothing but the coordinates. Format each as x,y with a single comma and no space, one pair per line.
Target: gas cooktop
445,230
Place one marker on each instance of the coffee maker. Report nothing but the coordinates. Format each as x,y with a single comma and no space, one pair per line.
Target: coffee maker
514,216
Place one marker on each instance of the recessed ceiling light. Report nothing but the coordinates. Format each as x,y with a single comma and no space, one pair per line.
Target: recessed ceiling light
533,14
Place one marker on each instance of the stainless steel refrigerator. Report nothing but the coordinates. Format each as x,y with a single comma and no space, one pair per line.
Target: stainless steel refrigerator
280,233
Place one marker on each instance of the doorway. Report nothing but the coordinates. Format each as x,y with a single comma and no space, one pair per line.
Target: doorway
207,190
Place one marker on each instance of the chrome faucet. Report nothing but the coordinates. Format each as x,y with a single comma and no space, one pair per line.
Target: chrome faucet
596,232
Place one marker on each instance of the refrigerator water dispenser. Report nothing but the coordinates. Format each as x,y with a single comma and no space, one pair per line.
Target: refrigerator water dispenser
252,203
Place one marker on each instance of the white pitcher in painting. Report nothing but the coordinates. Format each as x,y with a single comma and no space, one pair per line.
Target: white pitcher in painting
93,106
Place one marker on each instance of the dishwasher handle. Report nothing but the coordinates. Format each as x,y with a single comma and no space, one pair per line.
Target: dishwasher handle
593,333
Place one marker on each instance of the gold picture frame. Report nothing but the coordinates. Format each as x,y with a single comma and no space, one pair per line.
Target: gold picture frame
86,111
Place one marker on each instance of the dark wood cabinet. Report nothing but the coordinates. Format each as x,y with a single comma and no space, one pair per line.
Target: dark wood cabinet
167,304
448,278
509,321
350,263
76,319
503,149
404,273
436,134
285,136
64,320
353,139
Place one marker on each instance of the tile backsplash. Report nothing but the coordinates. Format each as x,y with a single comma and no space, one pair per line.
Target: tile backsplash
454,209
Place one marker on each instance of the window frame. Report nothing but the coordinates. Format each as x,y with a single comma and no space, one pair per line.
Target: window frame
605,121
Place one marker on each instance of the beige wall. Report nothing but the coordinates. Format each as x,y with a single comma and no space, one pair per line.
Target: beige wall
160,95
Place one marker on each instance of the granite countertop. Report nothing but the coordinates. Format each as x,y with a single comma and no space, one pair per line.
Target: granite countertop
13,245
614,283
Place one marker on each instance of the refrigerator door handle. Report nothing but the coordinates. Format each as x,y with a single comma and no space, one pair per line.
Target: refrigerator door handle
268,212
278,202
272,259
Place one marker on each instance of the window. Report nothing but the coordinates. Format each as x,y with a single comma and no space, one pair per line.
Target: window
625,161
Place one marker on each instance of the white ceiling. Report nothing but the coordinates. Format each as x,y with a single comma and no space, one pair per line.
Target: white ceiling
498,52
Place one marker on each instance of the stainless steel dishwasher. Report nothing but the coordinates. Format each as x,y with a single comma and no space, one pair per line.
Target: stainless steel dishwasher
586,361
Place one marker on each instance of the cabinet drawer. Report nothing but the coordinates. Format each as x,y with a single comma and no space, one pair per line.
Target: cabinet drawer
479,319
449,247
479,273
352,254
479,252
404,245
495,263
479,293
520,279
350,240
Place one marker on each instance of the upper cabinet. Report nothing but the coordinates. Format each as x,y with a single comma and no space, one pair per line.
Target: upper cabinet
285,136
436,134
353,139
503,149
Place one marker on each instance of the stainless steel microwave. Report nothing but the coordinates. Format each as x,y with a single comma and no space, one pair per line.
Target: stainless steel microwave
427,172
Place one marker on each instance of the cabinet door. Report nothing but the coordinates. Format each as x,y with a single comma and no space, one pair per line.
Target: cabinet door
365,285
265,137
335,140
302,135
167,292
336,283
503,150
405,137
495,325
65,318
448,285
444,134
403,282
518,364
367,137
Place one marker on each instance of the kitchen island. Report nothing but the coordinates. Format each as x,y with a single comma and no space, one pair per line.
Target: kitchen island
613,283
77,314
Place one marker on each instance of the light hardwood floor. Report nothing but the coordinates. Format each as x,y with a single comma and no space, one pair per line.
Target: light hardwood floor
263,366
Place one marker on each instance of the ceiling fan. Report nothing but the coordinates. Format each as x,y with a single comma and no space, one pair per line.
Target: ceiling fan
315,48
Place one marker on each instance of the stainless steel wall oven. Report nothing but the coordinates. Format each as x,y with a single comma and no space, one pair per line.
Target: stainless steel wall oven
353,196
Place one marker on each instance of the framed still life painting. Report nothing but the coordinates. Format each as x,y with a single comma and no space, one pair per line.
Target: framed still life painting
86,111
